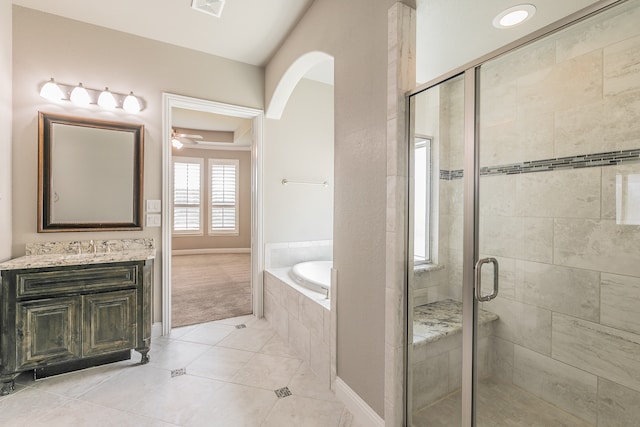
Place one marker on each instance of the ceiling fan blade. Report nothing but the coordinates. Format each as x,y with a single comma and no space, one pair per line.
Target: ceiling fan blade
187,135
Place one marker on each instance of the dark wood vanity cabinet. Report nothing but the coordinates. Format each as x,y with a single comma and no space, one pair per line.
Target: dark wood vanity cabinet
57,319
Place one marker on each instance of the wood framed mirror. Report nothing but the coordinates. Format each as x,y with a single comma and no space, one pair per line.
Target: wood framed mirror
90,174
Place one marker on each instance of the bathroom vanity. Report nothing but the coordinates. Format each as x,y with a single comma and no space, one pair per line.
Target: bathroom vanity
61,312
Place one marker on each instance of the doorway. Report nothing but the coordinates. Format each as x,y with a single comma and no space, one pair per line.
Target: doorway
216,218
522,315
211,236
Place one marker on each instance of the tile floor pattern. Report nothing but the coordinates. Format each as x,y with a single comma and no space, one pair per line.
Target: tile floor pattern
230,380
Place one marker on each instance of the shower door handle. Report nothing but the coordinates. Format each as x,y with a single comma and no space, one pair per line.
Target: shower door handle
478,284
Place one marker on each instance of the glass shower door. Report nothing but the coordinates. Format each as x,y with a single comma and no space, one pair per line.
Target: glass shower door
554,210
436,255
559,208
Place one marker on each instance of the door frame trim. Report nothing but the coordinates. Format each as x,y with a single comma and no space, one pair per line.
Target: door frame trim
470,244
170,101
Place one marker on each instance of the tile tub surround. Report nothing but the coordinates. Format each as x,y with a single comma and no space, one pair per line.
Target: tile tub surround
436,358
301,318
54,254
279,255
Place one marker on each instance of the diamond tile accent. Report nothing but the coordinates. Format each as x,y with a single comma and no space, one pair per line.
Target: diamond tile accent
178,372
283,392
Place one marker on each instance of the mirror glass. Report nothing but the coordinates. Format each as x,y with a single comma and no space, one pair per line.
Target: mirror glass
90,174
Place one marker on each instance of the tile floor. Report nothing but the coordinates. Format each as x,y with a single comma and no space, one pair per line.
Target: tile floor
499,404
230,380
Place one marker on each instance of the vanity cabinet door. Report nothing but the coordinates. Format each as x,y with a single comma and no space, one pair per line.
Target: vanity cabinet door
47,331
109,322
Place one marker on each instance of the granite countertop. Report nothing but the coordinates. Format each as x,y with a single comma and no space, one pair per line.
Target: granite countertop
54,254
441,318
56,260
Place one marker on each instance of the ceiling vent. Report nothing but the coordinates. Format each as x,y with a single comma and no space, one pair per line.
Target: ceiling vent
210,7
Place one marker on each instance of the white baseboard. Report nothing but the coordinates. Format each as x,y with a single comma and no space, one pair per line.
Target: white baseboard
362,413
156,329
178,252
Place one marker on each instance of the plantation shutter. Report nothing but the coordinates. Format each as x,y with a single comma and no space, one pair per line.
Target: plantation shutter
186,196
224,184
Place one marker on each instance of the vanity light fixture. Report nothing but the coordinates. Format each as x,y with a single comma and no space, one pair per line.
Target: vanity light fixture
514,16
80,96
84,96
131,103
51,91
106,99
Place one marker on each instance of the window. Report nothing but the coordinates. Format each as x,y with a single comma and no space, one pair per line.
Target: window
187,195
422,201
224,196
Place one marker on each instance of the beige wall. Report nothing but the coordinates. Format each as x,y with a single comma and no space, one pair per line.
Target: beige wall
300,147
357,39
47,46
5,129
243,240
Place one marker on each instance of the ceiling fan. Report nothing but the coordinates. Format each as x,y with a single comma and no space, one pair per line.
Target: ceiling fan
179,139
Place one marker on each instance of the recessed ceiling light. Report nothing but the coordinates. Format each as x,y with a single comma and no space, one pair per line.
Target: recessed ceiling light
514,15
211,7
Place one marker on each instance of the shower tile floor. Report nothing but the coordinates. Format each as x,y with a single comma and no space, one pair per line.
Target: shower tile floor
213,374
499,404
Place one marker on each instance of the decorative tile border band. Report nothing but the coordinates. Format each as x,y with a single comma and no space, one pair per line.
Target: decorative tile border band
449,175
610,158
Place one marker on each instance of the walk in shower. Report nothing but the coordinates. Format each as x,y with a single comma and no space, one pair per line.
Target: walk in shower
525,180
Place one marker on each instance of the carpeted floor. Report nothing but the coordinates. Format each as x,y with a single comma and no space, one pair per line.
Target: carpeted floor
209,287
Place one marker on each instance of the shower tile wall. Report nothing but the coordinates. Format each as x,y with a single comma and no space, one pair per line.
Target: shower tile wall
569,327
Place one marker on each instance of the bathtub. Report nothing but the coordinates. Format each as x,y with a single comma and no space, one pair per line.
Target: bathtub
314,275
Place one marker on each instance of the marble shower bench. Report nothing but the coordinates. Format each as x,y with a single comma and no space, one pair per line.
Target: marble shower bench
436,360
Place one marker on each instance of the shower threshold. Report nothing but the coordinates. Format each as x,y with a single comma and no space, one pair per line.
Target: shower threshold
499,404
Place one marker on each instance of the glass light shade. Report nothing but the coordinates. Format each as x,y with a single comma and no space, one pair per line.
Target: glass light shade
80,96
106,99
176,143
131,104
51,91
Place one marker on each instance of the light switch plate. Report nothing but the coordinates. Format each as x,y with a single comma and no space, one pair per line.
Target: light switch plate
154,220
154,206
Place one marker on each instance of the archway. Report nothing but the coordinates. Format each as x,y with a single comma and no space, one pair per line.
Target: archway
290,79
